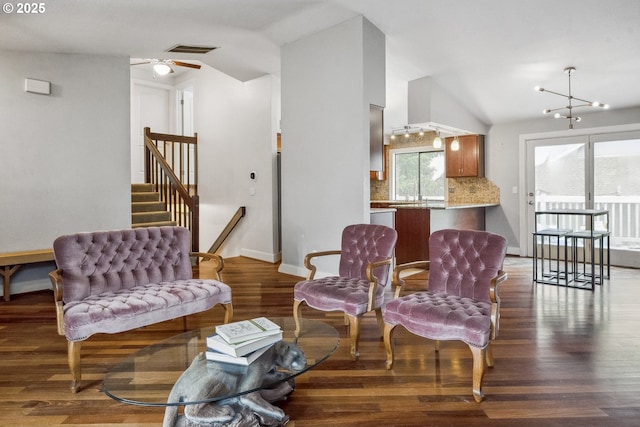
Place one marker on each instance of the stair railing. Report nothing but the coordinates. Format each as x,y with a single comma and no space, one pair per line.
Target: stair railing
233,222
171,165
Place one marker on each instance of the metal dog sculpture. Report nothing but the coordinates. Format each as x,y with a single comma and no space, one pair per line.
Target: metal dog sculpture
204,381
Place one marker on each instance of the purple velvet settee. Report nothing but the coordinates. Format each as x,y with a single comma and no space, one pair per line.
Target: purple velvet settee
115,281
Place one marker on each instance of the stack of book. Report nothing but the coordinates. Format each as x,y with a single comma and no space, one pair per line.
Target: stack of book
241,343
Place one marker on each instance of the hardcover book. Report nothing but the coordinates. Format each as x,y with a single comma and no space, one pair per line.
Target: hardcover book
240,360
219,344
245,330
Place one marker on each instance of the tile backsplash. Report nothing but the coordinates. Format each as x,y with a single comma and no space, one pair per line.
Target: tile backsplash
472,190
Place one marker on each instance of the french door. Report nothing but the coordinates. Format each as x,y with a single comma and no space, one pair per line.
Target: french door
591,171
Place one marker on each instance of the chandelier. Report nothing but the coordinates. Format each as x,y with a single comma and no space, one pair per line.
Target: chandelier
569,115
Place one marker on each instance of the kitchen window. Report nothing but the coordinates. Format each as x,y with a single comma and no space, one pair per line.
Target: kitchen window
417,174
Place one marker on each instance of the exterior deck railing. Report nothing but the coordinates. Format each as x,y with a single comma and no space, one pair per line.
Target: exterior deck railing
624,217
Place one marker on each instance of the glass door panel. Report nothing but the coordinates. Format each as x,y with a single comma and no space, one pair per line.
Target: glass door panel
617,189
556,180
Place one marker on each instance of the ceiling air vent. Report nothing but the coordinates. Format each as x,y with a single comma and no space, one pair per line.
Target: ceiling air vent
182,48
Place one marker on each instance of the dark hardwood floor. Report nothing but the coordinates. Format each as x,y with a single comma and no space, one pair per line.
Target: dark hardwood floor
564,357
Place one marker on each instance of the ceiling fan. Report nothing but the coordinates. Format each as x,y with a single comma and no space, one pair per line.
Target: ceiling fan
162,67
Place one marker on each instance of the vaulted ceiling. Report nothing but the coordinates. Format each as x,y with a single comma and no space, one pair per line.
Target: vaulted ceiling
487,53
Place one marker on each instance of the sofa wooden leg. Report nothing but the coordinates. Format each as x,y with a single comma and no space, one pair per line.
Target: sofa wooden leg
228,312
73,356
479,355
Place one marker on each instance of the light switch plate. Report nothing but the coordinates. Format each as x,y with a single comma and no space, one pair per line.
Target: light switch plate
37,86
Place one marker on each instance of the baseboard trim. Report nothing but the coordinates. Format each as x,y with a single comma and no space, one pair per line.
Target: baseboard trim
261,256
293,270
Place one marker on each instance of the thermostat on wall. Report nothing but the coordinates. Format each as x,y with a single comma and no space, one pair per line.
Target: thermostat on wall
37,86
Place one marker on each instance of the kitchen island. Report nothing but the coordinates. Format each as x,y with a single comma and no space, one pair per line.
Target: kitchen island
415,221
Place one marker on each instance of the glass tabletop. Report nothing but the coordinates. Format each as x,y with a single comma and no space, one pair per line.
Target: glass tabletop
148,376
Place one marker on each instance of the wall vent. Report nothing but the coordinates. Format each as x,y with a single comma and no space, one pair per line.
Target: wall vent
182,48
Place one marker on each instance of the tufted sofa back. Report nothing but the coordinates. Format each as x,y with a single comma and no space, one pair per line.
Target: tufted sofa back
365,243
463,262
107,261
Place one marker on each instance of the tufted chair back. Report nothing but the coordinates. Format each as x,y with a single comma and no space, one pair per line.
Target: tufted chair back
107,261
363,244
463,262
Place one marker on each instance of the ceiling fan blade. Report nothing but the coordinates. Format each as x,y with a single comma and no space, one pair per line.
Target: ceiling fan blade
141,63
186,64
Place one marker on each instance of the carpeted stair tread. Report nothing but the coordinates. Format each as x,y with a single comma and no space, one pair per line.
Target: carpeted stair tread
142,188
147,206
154,224
157,216
145,197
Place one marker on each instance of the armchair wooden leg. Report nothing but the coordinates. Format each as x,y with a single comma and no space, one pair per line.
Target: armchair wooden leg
380,320
297,314
479,355
354,332
489,355
388,344
228,312
73,357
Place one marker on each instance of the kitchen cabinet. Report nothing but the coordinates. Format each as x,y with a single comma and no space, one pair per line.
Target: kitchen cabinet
468,161
376,142
412,225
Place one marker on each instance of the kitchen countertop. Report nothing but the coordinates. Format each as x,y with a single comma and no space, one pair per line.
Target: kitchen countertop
383,210
432,205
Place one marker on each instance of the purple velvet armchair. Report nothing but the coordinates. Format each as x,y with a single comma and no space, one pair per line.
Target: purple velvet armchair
115,281
365,258
462,301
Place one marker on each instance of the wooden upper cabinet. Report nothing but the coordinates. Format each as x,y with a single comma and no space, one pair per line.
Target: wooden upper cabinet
376,142
468,161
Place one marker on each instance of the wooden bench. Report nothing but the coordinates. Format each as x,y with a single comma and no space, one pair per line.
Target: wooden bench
11,261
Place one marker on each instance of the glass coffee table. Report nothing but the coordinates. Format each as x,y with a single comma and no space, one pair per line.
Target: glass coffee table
171,374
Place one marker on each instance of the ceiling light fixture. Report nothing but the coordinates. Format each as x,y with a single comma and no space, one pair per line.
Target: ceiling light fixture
406,130
162,69
569,115
455,144
437,141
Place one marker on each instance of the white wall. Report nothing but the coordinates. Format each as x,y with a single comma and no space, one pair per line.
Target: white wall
504,167
66,155
328,81
237,125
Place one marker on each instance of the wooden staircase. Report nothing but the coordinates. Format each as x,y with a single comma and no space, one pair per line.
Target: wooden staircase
147,210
